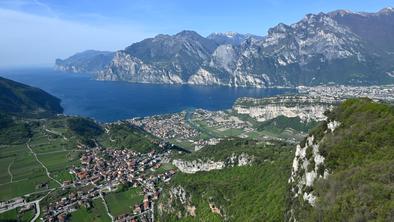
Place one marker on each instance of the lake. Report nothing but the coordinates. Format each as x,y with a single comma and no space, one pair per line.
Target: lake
110,101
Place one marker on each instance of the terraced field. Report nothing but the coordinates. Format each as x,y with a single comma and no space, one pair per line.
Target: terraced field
21,173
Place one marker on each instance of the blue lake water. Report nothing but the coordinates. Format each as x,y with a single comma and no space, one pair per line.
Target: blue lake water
110,101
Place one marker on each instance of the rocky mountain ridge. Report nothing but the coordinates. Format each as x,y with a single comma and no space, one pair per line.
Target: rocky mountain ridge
337,47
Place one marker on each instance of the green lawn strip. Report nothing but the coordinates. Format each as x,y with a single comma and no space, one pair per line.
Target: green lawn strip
123,202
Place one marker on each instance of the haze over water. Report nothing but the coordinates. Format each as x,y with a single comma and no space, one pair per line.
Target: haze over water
110,101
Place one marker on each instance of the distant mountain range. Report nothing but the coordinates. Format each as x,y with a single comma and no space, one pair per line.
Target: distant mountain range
340,47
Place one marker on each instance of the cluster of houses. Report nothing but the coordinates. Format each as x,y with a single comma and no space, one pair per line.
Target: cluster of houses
59,210
167,126
220,119
327,92
104,170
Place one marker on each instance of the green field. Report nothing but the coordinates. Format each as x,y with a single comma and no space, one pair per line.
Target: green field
96,213
26,172
123,202
17,160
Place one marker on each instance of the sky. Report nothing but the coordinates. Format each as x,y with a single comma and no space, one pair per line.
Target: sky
36,32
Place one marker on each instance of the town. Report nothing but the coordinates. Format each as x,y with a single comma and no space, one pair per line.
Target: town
102,171
340,92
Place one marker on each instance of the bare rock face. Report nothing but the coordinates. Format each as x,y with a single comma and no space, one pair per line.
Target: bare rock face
305,107
131,69
195,166
308,166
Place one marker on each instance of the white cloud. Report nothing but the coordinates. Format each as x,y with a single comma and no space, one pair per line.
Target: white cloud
28,39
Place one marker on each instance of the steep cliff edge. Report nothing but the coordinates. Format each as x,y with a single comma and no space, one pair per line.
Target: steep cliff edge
343,170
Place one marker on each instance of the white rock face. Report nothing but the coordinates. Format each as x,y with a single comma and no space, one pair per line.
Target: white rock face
203,77
333,125
179,193
131,69
290,106
272,111
224,57
197,166
208,165
309,175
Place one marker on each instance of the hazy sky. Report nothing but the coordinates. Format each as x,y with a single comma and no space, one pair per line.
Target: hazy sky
36,32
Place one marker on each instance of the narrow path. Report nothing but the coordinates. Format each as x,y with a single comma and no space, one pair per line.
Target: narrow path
106,206
9,170
46,169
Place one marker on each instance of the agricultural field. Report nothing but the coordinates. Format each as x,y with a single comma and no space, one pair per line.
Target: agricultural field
22,170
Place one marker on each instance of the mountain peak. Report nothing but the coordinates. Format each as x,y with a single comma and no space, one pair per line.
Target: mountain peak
188,33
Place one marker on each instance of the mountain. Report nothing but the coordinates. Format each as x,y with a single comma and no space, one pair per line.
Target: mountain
23,100
338,47
375,28
89,61
162,59
231,38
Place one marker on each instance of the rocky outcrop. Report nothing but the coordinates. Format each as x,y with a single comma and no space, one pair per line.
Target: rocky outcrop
308,166
177,195
195,166
305,107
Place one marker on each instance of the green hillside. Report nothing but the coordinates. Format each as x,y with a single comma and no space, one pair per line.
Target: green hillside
23,100
360,158
255,192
